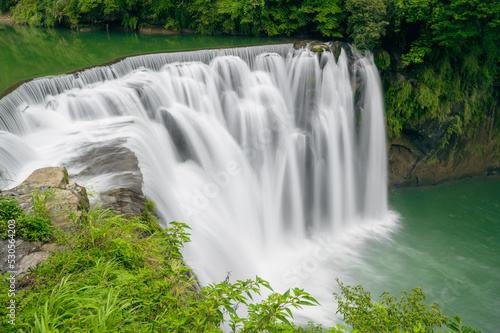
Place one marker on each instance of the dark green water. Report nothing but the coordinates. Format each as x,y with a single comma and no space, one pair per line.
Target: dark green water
448,243
28,52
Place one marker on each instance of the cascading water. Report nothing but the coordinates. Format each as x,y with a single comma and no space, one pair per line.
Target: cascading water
258,149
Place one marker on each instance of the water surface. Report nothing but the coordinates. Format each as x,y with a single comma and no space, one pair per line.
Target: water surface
448,243
29,52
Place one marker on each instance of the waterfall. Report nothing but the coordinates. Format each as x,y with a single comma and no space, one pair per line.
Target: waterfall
261,150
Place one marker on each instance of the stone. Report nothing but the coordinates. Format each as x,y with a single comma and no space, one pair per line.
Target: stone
300,45
30,261
109,158
336,49
416,160
121,166
51,176
123,201
65,204
318,47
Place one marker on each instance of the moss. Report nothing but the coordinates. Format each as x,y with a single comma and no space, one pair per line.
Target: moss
432,160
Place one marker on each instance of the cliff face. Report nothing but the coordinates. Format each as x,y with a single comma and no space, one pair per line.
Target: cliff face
416,158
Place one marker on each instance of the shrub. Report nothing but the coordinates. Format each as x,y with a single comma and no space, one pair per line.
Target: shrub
35,226
409,314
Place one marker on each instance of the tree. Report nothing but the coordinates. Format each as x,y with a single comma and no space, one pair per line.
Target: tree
366,23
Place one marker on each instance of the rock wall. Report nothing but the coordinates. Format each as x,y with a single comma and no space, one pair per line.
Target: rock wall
416,158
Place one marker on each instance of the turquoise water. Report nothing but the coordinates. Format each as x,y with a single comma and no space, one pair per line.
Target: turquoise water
448,243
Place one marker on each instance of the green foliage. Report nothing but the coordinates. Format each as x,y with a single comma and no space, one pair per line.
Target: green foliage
34,226
454,24
409,314
5,5
455,324
327,15
383,60
10,209
366,23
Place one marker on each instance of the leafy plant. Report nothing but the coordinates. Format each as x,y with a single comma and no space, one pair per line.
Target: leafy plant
34,226
455,324
409,314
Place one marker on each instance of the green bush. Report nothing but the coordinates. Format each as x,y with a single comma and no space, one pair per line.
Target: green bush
35,226
366,22
409,314
5,5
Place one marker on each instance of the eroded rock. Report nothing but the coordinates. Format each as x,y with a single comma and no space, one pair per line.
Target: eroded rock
416,159
122,191
123,201
64,202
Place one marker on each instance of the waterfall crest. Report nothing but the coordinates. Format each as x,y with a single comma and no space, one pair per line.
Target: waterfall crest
259,149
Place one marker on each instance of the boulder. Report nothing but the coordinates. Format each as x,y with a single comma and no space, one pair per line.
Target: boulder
51,177
336,49
318,47
312,45
122,193
64,202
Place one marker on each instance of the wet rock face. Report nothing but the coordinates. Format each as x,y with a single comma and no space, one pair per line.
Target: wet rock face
416,160
123,201
109,158
123,192
317,46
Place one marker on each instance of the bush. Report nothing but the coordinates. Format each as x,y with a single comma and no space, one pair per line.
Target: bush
35,226
409,314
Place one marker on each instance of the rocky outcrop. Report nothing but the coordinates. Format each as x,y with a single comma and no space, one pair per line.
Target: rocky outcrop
64,202
317,46
417,158
123,201
120,165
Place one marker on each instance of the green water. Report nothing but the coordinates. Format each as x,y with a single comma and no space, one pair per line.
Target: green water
28,52
448,243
